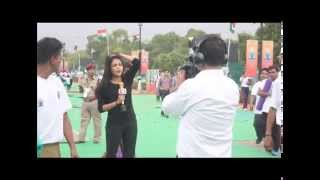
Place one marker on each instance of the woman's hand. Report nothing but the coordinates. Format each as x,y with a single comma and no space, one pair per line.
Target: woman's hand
120,99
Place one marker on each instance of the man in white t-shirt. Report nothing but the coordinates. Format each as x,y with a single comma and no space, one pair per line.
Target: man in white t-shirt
206,104
259,120
272,73
273,130
52,101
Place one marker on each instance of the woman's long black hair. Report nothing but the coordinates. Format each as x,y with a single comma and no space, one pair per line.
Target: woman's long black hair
107,74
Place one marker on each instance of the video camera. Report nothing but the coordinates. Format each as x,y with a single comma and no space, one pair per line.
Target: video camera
195,58
191,68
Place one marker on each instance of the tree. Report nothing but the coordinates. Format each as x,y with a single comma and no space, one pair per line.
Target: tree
73,59
99,45
272,32
194,33
164,44
119,35
176,59
166,51
118,42
169,61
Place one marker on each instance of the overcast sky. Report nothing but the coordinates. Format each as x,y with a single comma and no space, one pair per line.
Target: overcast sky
76,33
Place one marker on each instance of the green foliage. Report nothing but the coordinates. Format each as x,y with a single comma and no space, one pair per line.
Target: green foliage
271,31
166,51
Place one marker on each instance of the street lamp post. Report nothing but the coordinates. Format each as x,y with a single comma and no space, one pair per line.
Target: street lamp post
79,61
108,44
140,25
76,50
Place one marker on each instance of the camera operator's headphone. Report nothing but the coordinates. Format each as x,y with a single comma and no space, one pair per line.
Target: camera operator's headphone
198,56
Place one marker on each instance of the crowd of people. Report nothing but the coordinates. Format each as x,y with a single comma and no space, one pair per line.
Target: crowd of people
205,104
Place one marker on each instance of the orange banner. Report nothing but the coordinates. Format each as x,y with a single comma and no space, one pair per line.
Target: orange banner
144,62
144,66
252,58
267,54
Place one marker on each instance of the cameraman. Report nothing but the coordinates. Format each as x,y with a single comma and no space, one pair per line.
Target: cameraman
206,104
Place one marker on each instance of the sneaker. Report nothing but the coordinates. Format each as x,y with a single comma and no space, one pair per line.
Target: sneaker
276,153
258,141
96,142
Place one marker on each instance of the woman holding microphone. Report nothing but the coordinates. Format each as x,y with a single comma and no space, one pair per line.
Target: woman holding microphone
114,96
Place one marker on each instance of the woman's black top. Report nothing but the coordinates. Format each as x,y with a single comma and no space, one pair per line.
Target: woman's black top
109,93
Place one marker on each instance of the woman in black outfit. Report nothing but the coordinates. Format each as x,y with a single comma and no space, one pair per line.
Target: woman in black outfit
121,125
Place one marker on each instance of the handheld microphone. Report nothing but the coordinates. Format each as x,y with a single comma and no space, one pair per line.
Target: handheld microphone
122,92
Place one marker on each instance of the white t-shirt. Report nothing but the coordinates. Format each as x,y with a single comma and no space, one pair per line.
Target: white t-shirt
52,103
67,79
157,82
207,106
276,100
99,77
244,82
254,92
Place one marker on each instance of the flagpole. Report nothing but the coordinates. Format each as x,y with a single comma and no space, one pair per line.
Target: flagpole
62,57
140,24
108,44
76,50
140,51
79,61
229,45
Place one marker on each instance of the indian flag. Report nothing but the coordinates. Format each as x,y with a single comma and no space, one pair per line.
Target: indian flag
102,32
